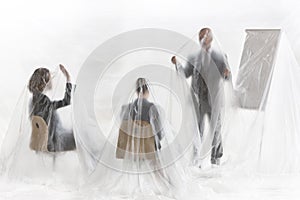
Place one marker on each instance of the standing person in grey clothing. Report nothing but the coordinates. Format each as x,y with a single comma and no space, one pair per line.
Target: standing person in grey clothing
208,69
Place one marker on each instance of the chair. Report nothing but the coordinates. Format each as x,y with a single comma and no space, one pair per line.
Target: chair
39,134
136,140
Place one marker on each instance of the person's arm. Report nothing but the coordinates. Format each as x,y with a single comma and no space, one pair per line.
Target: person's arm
221,62
188,69
124,114
66,100
226,69
156,122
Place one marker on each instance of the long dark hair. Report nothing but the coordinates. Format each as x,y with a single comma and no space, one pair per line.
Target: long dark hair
39,80
142,85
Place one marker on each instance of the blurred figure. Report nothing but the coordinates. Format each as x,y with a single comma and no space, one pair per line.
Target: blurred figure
208,68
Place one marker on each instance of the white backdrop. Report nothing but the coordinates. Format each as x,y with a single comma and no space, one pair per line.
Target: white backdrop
45,33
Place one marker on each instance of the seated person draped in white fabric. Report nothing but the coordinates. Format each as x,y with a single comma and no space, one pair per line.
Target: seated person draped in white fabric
59,139
137,116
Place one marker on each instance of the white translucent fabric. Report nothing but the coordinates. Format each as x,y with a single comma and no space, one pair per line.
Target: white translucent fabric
260,116
206,67
258,121
262,134
139,167
22,158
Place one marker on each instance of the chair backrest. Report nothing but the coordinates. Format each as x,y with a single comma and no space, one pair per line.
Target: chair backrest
136,138
39,134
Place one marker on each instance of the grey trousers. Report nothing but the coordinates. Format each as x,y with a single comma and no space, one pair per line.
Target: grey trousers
217,148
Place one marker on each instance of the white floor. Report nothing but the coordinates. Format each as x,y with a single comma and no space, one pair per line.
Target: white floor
218,184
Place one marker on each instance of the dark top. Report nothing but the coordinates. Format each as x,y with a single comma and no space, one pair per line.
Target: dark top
194,68
42,106
148,113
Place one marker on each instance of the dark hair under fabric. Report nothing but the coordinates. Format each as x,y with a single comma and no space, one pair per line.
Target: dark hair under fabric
141,85
39,80
204,31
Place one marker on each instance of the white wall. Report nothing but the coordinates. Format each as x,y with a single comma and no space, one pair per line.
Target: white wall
46,33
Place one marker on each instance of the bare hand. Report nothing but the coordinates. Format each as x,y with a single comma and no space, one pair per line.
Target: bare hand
65,72
173,60
226,73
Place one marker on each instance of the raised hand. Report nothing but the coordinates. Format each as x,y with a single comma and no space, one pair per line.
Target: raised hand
173,60
65,72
